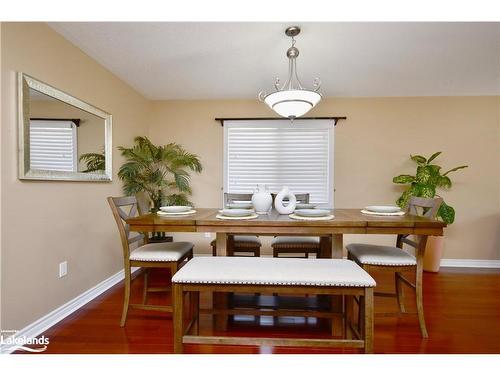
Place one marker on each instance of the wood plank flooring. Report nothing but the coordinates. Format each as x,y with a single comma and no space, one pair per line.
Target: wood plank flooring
462,311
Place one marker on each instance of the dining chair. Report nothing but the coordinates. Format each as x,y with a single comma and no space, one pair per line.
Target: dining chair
396,259
239,244
296,244
138,253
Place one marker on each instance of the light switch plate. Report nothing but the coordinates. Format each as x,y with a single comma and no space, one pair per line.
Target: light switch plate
63,269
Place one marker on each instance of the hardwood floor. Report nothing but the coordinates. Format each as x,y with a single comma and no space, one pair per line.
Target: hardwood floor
462,309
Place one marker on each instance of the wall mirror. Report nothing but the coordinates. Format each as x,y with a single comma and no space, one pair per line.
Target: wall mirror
60,136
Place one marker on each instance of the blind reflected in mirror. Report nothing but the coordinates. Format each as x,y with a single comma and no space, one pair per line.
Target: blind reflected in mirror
63,137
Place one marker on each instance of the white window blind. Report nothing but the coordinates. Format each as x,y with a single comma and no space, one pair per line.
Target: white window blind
53,145
280,153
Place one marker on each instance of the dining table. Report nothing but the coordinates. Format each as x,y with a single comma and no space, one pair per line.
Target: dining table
344,221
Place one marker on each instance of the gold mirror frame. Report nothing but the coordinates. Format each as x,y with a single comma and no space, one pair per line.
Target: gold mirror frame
25,82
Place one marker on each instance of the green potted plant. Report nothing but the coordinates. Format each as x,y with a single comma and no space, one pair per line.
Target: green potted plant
160,171
425,183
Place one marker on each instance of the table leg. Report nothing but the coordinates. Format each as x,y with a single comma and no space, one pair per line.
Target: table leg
221,243
220,300
325,247
338,246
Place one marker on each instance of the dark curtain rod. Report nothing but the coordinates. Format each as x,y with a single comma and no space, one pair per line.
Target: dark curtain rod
222,119
75,120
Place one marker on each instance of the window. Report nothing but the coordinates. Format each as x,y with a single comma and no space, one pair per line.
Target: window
53,145
280,153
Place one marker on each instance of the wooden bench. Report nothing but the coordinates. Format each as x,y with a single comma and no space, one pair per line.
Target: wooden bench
334,277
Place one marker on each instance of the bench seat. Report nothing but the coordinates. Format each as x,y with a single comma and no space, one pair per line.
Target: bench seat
273,271
219,275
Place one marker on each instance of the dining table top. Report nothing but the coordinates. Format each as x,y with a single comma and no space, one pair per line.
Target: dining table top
345,220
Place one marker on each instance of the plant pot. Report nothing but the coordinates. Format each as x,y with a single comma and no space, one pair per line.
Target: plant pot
433,253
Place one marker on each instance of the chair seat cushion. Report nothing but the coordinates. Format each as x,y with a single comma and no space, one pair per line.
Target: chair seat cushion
273,271
253,240
161,252
244,241
381,255
295,241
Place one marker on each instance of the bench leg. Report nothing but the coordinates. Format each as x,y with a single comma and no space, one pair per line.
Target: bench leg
368,320
195,311
178,317
221,302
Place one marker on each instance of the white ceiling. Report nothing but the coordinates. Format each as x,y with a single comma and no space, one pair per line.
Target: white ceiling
237,60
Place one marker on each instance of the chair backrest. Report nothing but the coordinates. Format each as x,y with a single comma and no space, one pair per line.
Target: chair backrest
426,207
143,203
118,206
234,197
301,197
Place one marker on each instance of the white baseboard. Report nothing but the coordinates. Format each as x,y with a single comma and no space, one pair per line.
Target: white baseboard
471,263
44,323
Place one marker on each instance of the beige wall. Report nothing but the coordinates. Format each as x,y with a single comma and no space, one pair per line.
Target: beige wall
44,223
371,147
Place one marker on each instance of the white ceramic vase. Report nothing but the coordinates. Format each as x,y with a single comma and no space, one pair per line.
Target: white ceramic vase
262,200
278,201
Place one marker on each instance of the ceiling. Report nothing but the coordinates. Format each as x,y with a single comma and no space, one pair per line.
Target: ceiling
182,60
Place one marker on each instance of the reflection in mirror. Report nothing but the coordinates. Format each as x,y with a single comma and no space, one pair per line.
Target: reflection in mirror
61,137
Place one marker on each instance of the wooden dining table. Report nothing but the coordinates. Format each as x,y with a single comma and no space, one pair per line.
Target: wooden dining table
345,221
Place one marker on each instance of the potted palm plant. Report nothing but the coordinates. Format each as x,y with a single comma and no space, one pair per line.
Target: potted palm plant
424,183
160,171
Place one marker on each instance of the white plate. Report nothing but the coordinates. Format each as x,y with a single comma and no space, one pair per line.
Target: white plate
312,212
301,206
240,205
384,209
176,209
236,212
161,213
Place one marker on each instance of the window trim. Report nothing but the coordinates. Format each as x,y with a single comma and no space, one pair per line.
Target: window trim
306,123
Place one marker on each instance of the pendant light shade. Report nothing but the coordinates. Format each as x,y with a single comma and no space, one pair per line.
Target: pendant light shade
292,103
292,100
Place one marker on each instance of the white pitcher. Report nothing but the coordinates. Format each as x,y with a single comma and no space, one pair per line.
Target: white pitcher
262,200
278,201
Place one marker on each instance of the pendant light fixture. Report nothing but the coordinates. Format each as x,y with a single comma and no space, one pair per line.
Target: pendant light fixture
291,99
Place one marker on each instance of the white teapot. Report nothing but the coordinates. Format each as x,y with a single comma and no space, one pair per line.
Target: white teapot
278,201
262,200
